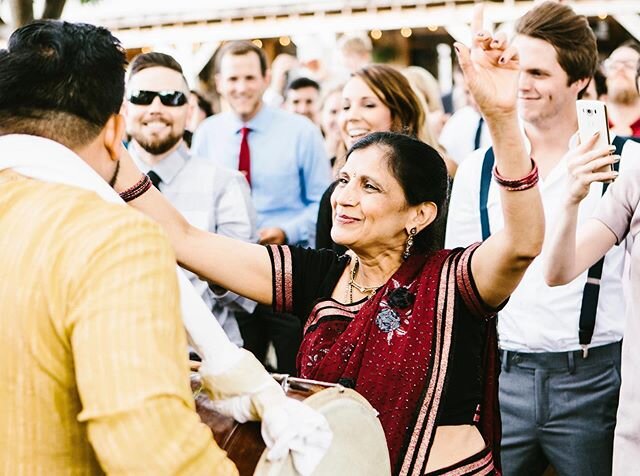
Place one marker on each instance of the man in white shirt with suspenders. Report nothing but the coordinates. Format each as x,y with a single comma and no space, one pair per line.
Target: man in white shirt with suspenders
559,384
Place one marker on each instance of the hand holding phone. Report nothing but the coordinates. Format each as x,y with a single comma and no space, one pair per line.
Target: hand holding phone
592,119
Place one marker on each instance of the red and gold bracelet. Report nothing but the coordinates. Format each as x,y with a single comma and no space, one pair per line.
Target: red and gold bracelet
137,189
516,185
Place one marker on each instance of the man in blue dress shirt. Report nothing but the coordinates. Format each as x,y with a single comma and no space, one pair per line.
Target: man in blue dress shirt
282,155
289,168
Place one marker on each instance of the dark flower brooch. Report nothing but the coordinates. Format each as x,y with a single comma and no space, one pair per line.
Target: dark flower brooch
400,298
395,310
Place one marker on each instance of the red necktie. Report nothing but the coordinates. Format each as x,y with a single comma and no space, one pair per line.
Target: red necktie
244,165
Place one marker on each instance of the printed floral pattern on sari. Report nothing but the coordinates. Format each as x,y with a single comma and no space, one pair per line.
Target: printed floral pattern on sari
395,309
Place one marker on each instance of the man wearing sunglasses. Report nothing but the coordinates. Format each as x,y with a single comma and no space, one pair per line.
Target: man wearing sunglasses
212,198
623,100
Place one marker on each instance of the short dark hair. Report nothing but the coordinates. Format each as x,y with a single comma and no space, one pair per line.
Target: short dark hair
240,48
300,83
60,80
422,174
153,60
569,34
203,103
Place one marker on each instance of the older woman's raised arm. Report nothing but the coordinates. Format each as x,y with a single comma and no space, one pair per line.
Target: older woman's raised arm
491,71
241,267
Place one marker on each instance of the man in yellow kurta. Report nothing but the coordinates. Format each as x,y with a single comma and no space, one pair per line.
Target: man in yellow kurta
93,363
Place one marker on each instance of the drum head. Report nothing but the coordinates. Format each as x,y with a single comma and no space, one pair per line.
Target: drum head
358,447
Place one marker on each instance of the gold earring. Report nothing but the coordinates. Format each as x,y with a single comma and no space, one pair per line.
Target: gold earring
409,243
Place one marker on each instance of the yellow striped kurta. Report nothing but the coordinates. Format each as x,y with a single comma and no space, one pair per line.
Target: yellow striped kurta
93,362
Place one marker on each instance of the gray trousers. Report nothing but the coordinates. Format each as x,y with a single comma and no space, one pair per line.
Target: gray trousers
559,408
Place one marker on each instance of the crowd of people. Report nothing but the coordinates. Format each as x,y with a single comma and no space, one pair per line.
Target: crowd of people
466,263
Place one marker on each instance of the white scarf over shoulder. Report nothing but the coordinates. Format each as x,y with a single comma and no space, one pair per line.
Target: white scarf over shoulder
50,161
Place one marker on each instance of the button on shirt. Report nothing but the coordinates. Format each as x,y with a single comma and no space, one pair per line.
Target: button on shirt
540,318
215,199
289,167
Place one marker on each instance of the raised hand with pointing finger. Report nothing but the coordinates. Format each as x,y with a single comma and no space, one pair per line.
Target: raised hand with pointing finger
491,71
490,68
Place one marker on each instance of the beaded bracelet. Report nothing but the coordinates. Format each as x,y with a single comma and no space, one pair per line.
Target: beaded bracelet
136,190
516,185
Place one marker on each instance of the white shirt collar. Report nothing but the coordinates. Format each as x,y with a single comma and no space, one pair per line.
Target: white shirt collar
49,161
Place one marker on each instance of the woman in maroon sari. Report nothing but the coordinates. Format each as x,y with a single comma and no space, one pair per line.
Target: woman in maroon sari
408,327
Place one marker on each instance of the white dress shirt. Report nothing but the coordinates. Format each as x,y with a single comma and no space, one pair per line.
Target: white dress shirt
540,318
211,198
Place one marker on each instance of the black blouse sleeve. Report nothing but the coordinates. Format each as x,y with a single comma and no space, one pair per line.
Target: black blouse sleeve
466,285
302,275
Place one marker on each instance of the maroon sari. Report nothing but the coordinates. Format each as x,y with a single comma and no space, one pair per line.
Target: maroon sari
397,348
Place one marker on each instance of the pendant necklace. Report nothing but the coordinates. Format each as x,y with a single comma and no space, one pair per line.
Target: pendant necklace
366,290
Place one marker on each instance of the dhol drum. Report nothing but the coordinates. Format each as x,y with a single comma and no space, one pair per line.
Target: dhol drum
358,447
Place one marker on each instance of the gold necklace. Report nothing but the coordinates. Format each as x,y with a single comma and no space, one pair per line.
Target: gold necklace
366,290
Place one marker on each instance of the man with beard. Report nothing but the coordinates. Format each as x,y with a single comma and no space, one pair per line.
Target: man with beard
212,198
623,100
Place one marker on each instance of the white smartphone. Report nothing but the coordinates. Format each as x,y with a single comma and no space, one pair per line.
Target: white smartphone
592,118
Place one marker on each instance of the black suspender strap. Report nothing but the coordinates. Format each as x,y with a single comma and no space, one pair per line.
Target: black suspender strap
485,181
478,136
591,291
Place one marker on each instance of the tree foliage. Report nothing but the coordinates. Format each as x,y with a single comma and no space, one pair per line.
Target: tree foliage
22,11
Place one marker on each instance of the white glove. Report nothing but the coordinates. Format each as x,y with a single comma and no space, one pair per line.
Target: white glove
295,427
287,424
240,391
239,408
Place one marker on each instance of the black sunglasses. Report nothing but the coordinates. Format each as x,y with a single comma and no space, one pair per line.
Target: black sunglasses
167,98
